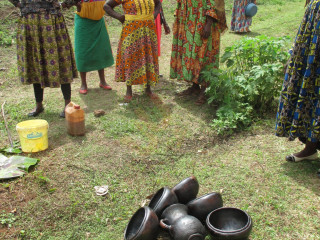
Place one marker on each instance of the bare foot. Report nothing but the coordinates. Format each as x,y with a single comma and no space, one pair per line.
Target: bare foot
190,90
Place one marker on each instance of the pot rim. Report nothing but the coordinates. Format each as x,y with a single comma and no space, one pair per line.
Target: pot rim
146,211
164,189
211,227
194,200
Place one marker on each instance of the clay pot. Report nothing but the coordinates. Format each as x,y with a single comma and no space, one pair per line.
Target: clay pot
174,212
186,190
185,228
229,224
162,199
143,225
202,206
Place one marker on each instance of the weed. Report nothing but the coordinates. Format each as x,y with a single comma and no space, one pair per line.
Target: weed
7,219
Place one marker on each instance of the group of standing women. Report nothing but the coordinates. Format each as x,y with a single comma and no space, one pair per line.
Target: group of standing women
45,53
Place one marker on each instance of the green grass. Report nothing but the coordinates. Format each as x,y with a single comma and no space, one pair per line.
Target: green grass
138,148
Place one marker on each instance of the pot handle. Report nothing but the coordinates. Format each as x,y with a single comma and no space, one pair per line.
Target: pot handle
196,235
164,225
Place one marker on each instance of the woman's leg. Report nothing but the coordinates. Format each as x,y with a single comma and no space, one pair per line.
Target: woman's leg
195,88
66,91
103,84
84,87
309,149
38,94
202,96
128,96
151,94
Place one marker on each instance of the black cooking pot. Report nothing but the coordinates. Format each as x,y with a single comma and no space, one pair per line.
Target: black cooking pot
143,225
229,224
162,199
202,206
174,212
186,190
185,228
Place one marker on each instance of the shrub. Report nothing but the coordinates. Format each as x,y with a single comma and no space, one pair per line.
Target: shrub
250,83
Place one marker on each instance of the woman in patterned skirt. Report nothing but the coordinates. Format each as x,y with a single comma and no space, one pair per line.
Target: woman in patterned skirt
137,57
44,50
299,108
196,42
240,23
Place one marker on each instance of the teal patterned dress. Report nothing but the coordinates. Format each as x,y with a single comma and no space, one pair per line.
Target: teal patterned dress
299,108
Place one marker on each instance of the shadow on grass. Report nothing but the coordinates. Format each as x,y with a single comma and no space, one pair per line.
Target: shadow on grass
98,98
147,110
304,173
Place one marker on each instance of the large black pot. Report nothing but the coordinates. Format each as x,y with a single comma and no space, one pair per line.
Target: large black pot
186,190
229,224
202,206
162,199
174,212
185,228
143,225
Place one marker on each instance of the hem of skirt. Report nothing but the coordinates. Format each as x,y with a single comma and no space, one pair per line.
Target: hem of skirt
95,68
48,86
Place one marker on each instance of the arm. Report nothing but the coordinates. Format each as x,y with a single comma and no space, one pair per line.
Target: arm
109,6
70,3
157,7
211,17
16,3
165,24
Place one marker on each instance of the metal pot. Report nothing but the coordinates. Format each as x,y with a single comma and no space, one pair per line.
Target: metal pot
143,225
185,228
174,212
186,190
162,199
202,206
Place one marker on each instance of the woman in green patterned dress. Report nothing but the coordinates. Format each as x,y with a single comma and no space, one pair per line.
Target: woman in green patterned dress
196,42
44,50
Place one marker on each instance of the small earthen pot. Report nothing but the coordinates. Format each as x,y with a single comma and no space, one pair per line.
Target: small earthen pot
186,190
174,212
185,228
229,223
162,199
202,206
143,225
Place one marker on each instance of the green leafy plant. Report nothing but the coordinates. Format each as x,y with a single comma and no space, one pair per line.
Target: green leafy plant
250,83
7,219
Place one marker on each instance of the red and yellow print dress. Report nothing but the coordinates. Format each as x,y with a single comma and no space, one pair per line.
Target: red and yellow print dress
137,57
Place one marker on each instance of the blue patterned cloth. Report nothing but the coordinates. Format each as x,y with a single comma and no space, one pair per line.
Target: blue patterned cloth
299,108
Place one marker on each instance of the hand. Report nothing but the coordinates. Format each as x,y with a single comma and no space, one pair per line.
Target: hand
63,5
206,32
122,19
166,29
78,7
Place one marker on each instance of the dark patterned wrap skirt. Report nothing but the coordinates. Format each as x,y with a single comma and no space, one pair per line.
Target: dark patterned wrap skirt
299,108
44,50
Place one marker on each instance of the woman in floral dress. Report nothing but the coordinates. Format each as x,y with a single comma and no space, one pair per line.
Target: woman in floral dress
240,23
299,109
44,50
137,57
196,42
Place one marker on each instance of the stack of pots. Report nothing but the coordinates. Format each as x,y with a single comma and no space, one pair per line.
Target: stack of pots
183,215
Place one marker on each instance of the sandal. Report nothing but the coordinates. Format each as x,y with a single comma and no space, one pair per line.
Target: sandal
293,158
63,114
106,87
35,112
